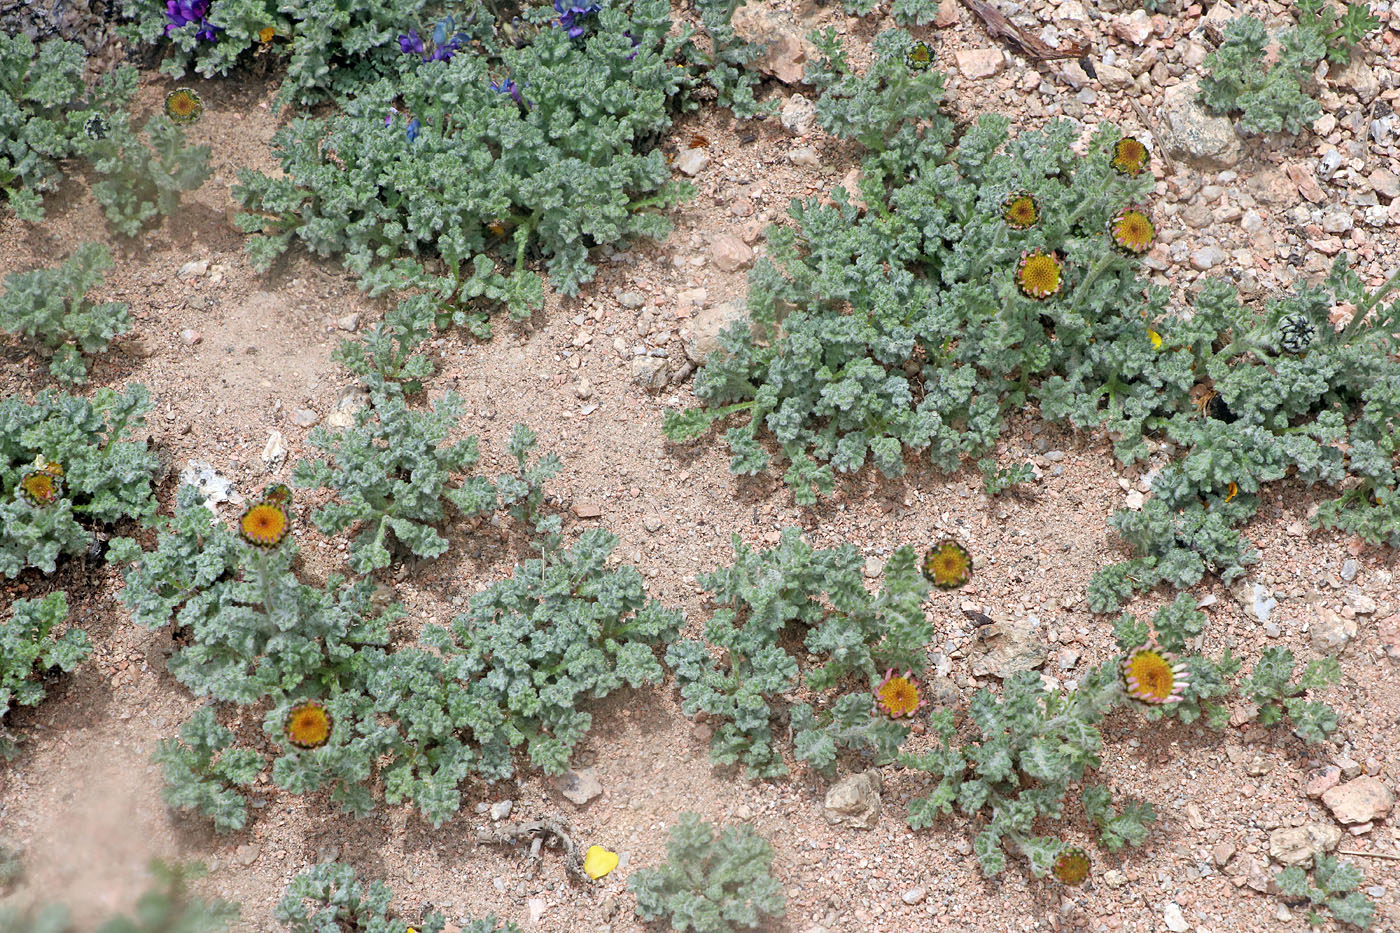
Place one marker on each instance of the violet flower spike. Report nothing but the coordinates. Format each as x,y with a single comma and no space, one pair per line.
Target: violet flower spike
570,13
411,43
181,13
508,86
414,126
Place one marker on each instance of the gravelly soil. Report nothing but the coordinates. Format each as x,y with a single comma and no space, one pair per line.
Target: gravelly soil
83,800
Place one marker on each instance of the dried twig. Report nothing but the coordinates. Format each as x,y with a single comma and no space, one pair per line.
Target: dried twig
548,831
999,27
1385,855
1151,125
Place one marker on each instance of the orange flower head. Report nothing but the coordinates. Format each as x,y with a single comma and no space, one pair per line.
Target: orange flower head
1020,211
898,697
308,725
264,524
948,565
1155,676
183,105
1039,275
1130,156
41,487
1132,230
1072,866
265,34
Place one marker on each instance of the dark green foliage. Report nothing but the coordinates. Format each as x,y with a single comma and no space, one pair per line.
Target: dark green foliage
391,472
330,47
1333,885
145,173
44,105
385,359
997,480
202,771
710,883
522,494
898,329
901,329
328,898
511,674
796,602
49,307
1270,686
723,67
1031,731
105,478
488,182
29,648
1329,414
563,629
1275,98
257,630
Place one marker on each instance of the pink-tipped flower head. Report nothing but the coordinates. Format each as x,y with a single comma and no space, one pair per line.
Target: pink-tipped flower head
898,697
1154,675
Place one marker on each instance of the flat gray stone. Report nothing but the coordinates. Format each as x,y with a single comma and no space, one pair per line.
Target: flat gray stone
1298,845
854,801
579,787
1206,141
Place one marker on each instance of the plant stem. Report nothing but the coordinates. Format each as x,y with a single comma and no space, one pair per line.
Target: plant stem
1370,303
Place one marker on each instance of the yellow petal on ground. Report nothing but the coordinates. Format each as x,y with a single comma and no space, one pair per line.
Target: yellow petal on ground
598,861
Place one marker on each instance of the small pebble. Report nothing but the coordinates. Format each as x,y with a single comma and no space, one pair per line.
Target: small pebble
1349,569
914,896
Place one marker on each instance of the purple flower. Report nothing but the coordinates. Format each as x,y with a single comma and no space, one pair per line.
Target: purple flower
411,43
389,117
570,12
508,86
181,13
414,126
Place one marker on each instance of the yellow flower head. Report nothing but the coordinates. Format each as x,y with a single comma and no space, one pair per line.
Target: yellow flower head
497,228
183,105
1072,866
1132,230
264,524
598,861
1155,337
1130,156
41,487
898,697
1039,275
1234,490
948,565
1153,675
308,725
265,34
919,57
1020,211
